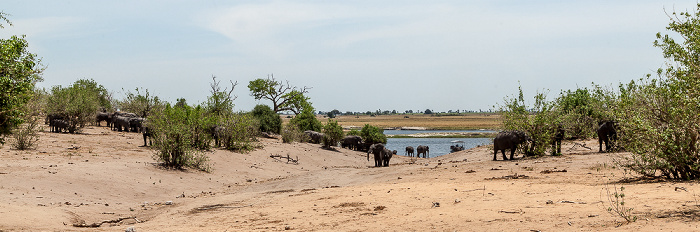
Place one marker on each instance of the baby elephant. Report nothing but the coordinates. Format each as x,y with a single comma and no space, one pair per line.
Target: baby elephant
508,140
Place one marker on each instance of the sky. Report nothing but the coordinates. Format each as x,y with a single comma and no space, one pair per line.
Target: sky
353,55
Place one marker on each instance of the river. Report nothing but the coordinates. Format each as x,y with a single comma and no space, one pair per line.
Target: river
438,146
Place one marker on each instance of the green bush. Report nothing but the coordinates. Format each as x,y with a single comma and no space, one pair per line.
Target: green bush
307,120
141,103
174,138
333,133
269,120
79,102
355,132
240,132
540,122
20,70
292,133
372,134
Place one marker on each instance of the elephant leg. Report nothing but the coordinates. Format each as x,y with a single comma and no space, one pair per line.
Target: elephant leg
600,145
512,153
495,152
503,151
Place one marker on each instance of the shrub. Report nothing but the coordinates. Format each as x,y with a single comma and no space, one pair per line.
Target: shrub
292,133
174,138
240,132
333,133
661,114
20,70
26,135
79,102
539,122
354,132
307,120
372,134
141,103
269,120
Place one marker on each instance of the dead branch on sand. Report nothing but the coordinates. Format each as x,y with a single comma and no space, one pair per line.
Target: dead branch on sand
295,161
98,224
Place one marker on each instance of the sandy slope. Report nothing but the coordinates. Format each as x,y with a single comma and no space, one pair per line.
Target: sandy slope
103,175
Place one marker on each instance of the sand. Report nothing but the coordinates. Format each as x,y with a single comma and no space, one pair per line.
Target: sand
105,180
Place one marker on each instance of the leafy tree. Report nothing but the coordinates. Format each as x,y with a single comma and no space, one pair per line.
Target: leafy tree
428,111
355,132
284,97
269,120
540,126
220,102
141,103
306,120
78,102
333,133
372,134
661,125
20,70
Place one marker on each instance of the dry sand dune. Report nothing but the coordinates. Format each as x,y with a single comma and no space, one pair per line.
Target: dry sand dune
104,178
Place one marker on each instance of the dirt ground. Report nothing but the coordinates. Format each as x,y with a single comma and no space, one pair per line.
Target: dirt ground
104,181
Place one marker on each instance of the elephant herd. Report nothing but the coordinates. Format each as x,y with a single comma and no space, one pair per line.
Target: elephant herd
425,150
121,121
607,134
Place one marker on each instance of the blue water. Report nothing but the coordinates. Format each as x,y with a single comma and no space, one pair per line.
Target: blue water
408,132
438,146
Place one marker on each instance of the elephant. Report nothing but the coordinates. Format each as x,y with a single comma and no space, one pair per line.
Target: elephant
425,150
58,125
607,133
102,116
556,143
135,124
352,142
218,133
386,156
50,119
508,140
409,151
364,146
121,114
120,122
314,137
378,150
147,133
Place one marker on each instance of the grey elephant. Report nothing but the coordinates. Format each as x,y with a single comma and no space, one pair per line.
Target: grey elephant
425,150
556,143
102,116
378,150
607,133
147,133
114,120
409,151
386,156
314,137
508,140
121,123
351,142
59,125
135,124
218,133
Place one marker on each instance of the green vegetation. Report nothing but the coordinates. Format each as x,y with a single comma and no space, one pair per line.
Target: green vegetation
174,139
78,103
307,120
269,120
333,133
284,97
141,103
372,134
20,70
658,117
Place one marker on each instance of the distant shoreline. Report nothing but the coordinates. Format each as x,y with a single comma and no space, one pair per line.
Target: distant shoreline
446,135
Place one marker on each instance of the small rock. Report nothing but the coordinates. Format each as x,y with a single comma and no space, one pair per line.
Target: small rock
457,201
168,202
550,202
130,229
436,204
